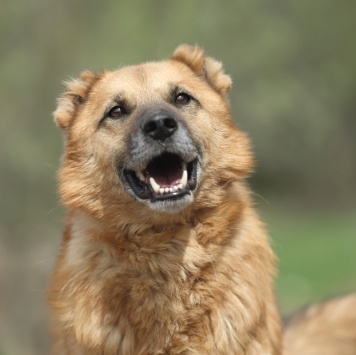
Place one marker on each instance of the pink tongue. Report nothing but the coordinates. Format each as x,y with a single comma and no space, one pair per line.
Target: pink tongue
167,177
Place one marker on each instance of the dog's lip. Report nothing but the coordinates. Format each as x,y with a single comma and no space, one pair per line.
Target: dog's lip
166,177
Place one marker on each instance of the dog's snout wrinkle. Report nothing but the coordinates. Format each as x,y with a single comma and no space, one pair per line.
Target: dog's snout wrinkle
159,126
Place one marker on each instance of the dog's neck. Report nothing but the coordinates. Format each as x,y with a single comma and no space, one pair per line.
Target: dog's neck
137,243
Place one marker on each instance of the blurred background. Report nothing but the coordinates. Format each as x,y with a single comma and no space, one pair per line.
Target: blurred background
293,64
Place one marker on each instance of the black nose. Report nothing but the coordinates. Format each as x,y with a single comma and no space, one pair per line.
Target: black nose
159,126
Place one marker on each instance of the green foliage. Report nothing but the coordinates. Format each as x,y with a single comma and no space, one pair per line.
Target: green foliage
316,255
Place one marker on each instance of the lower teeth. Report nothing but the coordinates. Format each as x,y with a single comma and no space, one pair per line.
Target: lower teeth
171,189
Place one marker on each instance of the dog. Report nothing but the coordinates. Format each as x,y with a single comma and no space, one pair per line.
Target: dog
327,328
163,251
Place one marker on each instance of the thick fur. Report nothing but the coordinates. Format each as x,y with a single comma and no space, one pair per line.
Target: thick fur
328,328
132,278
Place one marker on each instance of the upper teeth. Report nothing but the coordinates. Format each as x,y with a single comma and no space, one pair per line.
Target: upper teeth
154,185
180,185
140,176
184,178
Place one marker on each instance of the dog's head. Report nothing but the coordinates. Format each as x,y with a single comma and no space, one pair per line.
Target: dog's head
153,137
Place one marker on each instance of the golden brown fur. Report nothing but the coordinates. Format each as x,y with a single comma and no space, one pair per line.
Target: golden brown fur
328,328
135,279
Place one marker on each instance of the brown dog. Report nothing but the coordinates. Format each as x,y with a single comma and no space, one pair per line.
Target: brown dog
163,252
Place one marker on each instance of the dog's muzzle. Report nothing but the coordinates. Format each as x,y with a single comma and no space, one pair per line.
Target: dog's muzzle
163,161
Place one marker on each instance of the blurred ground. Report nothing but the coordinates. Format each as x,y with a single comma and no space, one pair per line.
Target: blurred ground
294,70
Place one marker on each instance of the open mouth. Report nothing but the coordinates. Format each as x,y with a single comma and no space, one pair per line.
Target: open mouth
165,177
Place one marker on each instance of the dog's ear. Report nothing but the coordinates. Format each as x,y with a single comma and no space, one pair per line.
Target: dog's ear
208,68
75,94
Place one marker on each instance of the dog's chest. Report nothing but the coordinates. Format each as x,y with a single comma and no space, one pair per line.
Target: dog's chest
169,311
169,304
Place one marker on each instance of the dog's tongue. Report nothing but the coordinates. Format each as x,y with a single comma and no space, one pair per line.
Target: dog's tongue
166,177
166,170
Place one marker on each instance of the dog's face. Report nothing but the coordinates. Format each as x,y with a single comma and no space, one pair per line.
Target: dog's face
159,161
157,134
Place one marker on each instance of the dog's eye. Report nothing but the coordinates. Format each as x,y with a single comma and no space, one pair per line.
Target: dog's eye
116,112
182,99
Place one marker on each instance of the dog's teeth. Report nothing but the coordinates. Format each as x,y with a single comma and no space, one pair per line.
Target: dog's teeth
154,185
140,176
184,179
169,189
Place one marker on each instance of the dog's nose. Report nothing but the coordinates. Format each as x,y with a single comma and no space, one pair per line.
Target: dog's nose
159,126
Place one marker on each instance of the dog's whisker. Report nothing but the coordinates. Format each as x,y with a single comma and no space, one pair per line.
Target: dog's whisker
261,197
